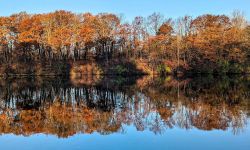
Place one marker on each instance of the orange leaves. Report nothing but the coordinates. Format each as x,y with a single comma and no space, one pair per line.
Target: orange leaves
87,34
3,117
166,29
62,18
4,30
59,29
61,37
30,30
214,37
106,25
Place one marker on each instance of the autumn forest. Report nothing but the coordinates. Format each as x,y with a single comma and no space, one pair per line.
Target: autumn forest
85,43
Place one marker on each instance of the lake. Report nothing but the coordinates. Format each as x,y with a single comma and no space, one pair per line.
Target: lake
204,112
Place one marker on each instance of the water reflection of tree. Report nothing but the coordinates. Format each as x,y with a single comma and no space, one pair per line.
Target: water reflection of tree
218,104
57,106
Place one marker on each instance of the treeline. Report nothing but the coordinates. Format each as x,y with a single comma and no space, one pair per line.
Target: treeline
205,44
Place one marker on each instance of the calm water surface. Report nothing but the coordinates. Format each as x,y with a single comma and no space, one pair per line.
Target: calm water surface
125,113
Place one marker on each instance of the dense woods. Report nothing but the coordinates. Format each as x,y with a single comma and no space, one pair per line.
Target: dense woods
205,44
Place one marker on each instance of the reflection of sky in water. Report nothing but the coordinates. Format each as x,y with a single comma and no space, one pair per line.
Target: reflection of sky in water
139,116
175,138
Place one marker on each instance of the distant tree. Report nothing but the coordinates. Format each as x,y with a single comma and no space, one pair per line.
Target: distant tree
154,22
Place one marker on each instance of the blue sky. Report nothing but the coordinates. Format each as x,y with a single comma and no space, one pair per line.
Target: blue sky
130,8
